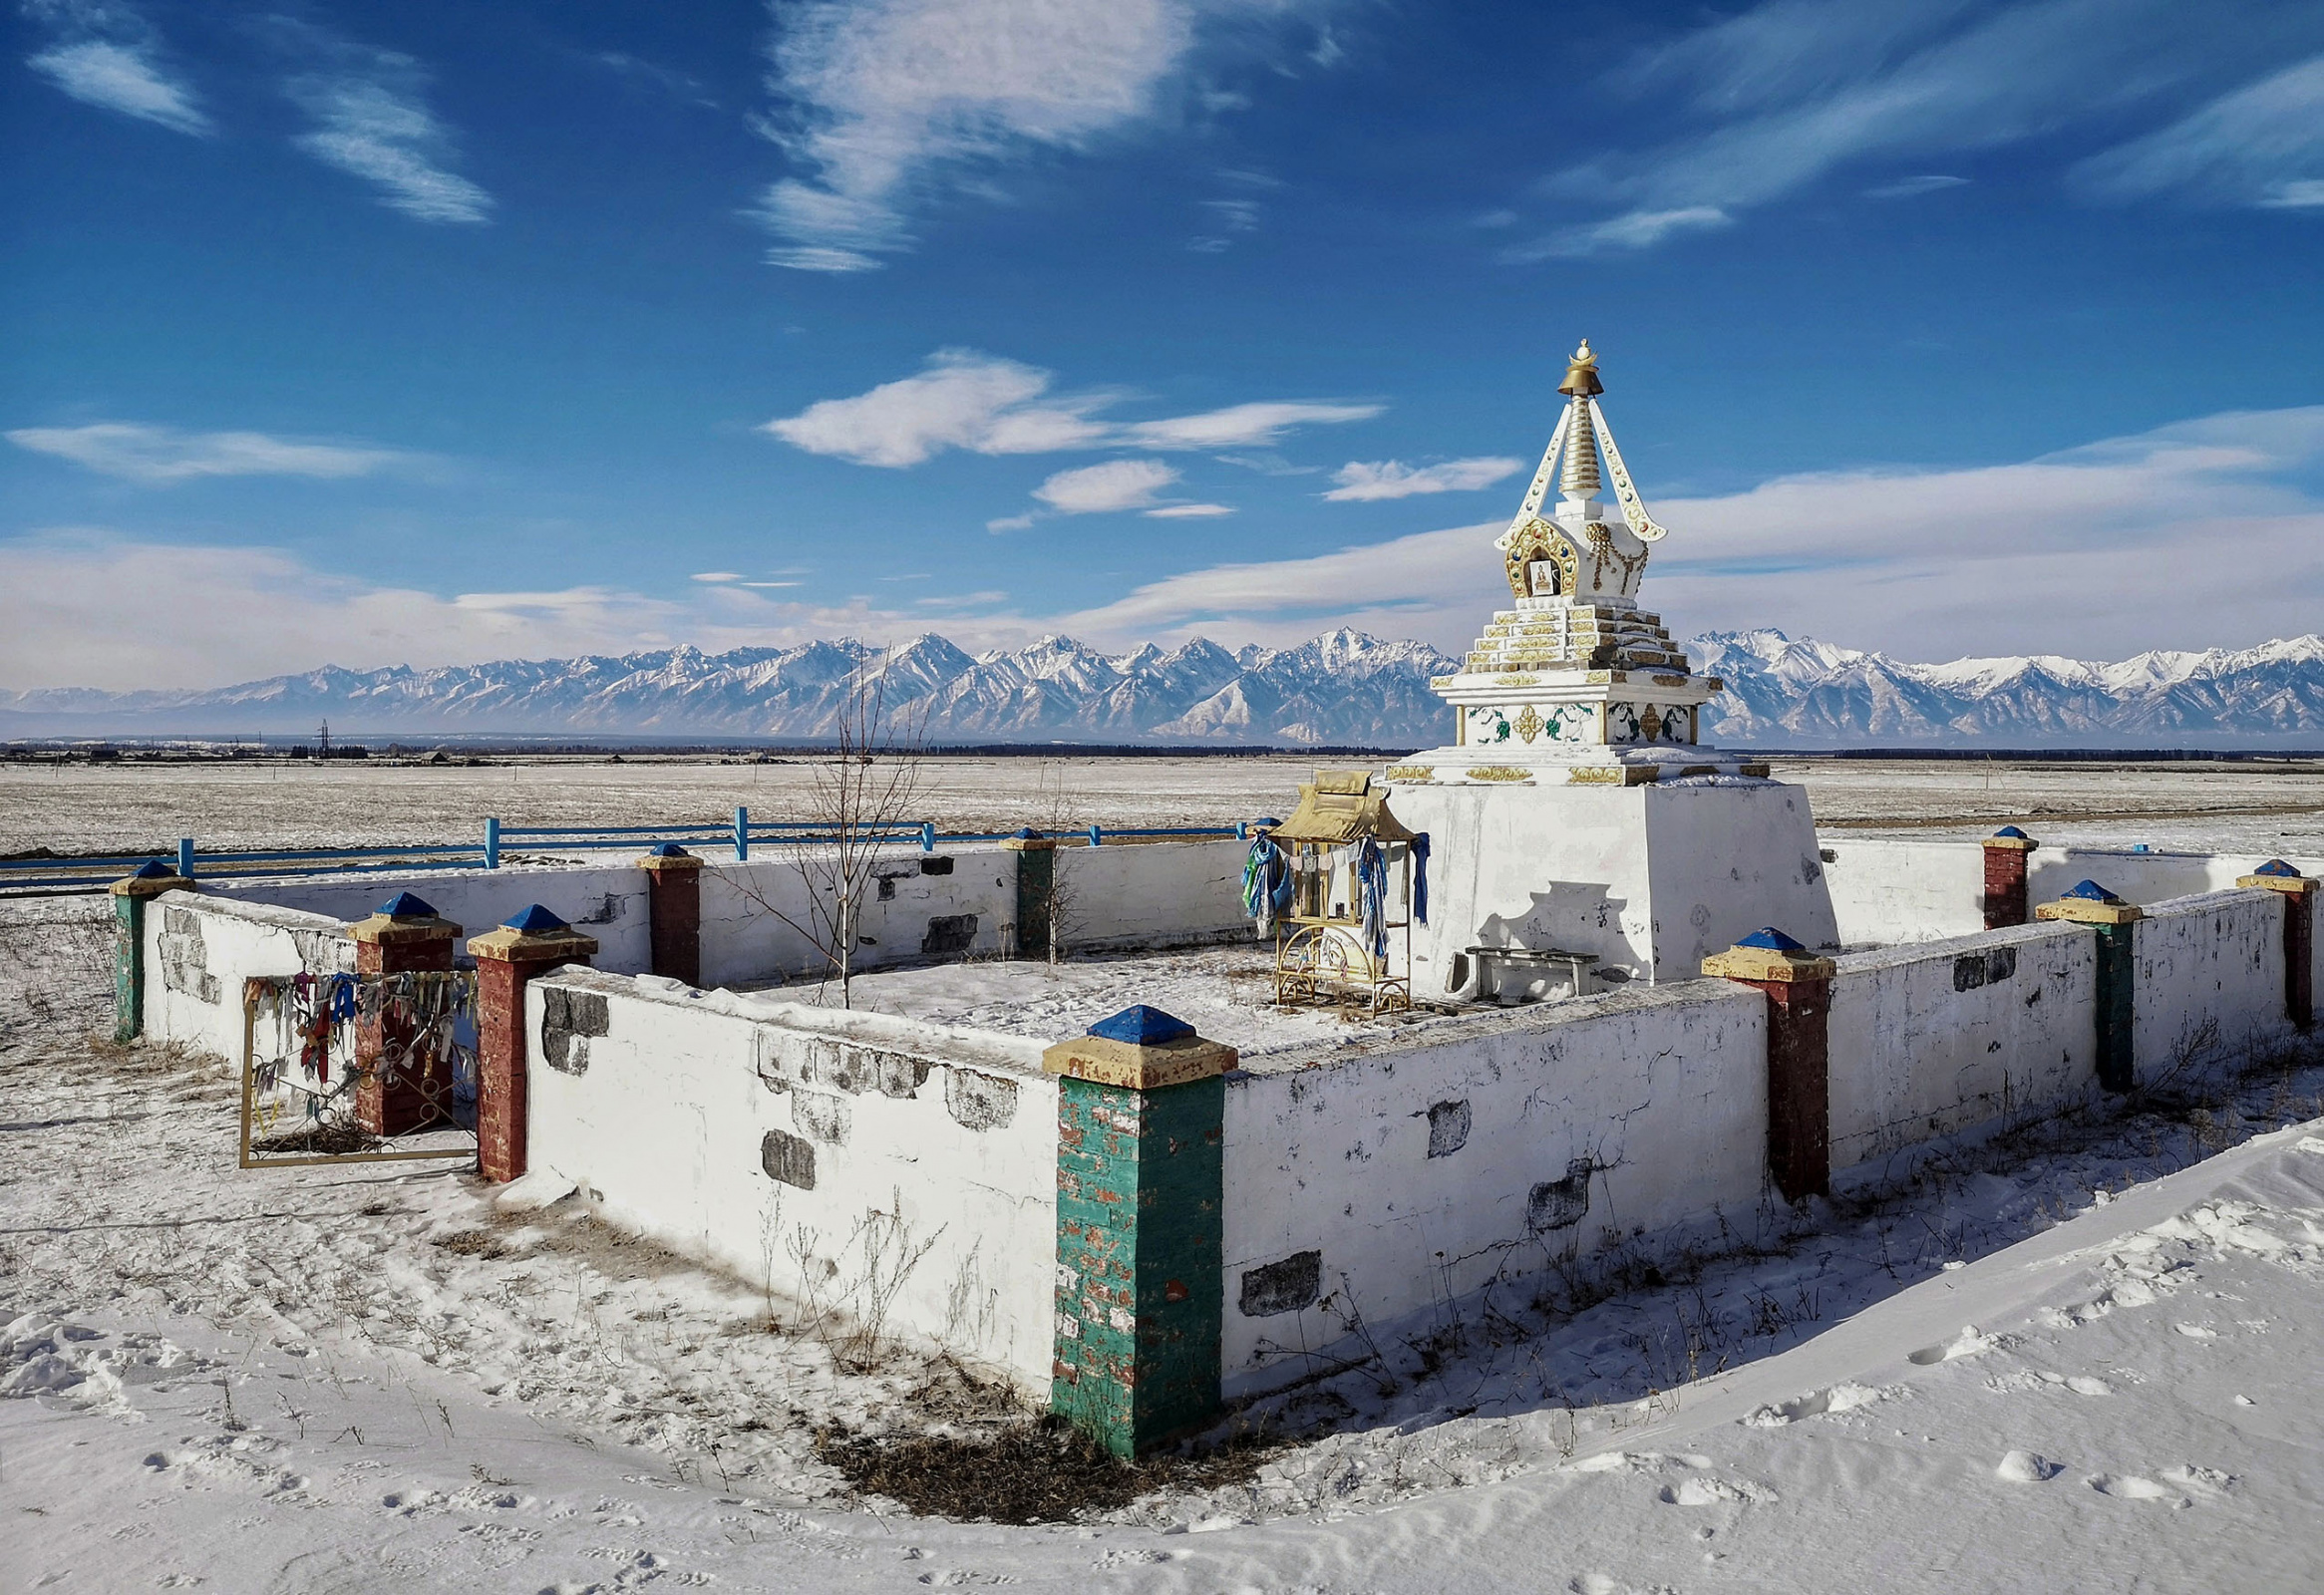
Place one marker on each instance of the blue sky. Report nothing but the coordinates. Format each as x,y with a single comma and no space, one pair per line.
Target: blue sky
367,334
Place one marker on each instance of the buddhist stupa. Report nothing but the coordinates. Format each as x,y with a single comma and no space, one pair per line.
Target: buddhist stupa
1576,809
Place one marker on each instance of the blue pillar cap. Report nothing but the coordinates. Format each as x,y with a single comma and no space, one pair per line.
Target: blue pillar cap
1769,939
2275,866
407,905
2092,891
1141,1026
1268,821
667,849
533,921
152,869
2013,834
1027,833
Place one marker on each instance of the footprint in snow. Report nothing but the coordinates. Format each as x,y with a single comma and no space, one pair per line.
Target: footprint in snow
1842,1398
1968,1342
2129,1487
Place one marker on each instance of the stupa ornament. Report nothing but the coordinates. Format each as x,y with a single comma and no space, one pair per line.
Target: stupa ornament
1575,684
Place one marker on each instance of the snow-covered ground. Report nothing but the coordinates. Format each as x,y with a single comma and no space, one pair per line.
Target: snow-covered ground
2086,1359
2240,808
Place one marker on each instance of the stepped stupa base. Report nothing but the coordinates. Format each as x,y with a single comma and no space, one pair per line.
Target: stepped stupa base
1645,881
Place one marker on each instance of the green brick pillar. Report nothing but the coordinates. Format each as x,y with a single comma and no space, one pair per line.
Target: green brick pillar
2115,922
1036,886
129,895
1141,1113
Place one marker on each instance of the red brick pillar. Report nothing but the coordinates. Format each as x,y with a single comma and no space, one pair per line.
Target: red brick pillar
531,943
1797,988
2299,894
2007,852
392,1098
674,881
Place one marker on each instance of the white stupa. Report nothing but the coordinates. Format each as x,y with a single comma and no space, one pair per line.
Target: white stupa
1576,811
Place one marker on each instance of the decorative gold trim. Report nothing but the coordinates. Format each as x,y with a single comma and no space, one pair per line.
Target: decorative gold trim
1597,776
1500,773
1670,681
1528,724
1759,772
1517,681
1411,772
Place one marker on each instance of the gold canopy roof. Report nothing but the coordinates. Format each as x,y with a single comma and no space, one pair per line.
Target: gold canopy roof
1341,807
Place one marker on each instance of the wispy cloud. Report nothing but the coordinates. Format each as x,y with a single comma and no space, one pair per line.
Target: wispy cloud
879,100
109,56
372,121
159,456
1251,425
992,406
1115,484
1361,481
1901,560
1913,188
1789,90
2261,146
1189,512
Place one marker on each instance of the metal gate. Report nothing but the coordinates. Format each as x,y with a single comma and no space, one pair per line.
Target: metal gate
347,1068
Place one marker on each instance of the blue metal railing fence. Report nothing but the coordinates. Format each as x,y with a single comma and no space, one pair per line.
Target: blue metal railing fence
52,875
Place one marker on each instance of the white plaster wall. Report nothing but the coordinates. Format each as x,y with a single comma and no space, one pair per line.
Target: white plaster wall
2210,983
1887,892
1654,1100
1649,878
745,940
665,1129
1142,894
1975,1032
1884,892
607,901
198,949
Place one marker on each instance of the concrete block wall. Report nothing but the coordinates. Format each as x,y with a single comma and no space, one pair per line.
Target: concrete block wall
822,1150
198,949
751,913
1936,1039
1383,1181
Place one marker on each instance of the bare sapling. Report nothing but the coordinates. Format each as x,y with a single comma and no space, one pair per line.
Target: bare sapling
860,803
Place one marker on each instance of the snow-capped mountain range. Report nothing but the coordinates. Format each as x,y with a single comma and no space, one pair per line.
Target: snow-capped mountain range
1343,688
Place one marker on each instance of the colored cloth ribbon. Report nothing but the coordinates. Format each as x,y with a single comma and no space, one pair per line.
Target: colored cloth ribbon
1420,877
1266,884
1372,884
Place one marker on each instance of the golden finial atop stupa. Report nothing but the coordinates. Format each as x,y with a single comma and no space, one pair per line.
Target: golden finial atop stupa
1582,373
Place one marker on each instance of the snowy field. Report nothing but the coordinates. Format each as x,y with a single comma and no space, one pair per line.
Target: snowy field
2275,807
2087,1359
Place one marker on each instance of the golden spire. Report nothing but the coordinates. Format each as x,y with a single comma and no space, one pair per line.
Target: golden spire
1582,373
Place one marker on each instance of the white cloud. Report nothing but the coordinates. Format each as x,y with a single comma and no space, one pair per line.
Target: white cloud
992,406
123,76
372,121
162,454
2261,146
880,98
963,399
1248,426
1116,485
1009,524
1189,512
715,575
1792,90
1361,481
